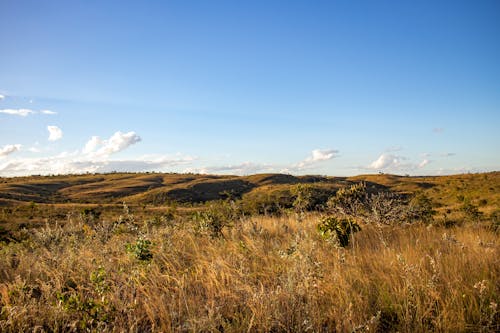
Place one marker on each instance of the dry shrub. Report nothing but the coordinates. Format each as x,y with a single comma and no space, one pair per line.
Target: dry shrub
267,274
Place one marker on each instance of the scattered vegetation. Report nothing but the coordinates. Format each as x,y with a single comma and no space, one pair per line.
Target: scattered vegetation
320,258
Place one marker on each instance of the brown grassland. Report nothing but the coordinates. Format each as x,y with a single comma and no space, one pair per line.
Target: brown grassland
192,253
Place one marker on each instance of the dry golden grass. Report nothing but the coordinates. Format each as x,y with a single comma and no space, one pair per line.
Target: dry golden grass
265,275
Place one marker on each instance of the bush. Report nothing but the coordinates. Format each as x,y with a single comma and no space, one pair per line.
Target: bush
216,217
470,210
387,208
140,249
420,208
350,201
337,230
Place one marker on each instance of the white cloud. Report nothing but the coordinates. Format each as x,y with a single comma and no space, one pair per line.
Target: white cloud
48,112
18,112
9,149
26,112
116,143
245,168
76,163
92,144
55,133
2,97
423,163
391,162
317,155
386,161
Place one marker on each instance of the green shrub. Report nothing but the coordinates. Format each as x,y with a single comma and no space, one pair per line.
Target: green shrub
350,201
420,208
337,230
218,216
140,249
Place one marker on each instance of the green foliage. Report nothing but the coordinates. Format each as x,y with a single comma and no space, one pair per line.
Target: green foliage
267,201
337,230
140,249
350,201
218,216
99,280
303,197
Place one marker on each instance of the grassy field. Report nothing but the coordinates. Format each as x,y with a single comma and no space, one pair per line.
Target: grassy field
247,264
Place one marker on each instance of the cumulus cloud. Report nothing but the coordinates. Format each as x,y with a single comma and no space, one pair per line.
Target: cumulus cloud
92,145
317,155
2,97
18,112
9,149
391,162
116,143
75,163
55,133
94,157
386,161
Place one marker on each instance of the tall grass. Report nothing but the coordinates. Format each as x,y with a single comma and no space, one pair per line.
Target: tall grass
265,274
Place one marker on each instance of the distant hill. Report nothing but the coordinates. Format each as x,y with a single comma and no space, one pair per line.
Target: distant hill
158,189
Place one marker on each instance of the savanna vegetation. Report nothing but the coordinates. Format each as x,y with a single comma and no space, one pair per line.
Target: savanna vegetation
263,253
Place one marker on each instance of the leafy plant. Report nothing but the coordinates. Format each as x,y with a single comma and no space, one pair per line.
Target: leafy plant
337,230
216,218
98,278
140,249
350,201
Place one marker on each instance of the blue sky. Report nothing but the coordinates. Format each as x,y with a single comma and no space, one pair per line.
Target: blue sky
239,87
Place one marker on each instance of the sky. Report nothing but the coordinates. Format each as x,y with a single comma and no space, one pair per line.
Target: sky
240,87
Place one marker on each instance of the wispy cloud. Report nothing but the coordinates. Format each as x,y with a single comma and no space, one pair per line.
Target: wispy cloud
55,133
394,149
48,112
448,154
26,112
2,97
9,149
245,168
423,163
18,112
317,156
438,130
